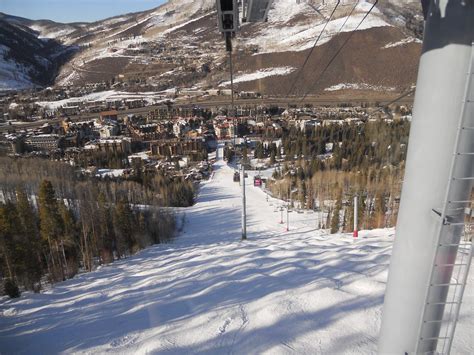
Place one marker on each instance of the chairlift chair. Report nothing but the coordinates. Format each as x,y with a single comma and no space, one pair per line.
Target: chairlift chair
236,176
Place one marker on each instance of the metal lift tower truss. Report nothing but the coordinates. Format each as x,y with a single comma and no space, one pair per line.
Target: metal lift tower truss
453,253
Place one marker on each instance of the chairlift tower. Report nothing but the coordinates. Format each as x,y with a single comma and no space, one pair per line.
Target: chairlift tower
229,25
244,209
431,259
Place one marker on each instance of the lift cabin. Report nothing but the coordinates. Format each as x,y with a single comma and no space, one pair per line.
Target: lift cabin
256,10
257,181
228,16
236,176
228,13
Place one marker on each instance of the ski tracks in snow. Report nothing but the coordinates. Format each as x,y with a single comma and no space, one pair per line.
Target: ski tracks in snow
231,329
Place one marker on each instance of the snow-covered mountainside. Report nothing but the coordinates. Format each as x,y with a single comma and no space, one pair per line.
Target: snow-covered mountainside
178,45
28,60
43,28
301,291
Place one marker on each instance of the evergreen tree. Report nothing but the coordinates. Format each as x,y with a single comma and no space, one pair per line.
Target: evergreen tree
259,151
379,211
137,168
11,289
51,227
107,241
301,193
7,234
336,216
272,157
245,160
328,218
49,241
361,209
30,243
228,153
349,226
69,240
123,223
278,152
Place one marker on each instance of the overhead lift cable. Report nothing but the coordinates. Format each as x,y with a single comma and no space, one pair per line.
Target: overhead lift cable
311,51
339,51
398,98
347,18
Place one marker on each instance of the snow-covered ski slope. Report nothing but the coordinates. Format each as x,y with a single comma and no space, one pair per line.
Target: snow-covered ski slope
296,292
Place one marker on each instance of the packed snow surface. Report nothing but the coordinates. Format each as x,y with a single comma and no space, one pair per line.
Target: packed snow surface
302,291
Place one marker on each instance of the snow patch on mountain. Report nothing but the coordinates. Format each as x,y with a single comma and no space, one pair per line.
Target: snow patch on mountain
278,36
402,42
114,20
177,27
358,86
285,10
178,13
187,7
111,95
13,76
46,32
70,78
122,30
260,74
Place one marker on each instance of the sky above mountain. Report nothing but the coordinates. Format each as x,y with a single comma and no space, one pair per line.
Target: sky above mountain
74,10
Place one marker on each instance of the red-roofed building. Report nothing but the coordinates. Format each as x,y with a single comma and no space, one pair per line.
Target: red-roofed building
108,116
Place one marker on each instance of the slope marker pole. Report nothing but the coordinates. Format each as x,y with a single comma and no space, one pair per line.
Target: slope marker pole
244,212
356,231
